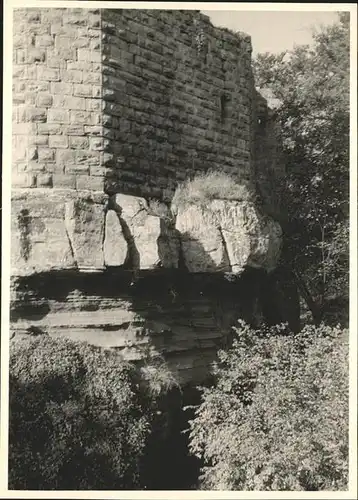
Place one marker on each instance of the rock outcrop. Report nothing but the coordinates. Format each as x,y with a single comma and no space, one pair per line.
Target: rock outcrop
54,230
228,236
112,108
116,272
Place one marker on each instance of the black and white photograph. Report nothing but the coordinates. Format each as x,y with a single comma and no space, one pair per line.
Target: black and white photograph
179,239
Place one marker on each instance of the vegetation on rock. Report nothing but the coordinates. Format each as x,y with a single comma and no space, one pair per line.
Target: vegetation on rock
276,417
209,186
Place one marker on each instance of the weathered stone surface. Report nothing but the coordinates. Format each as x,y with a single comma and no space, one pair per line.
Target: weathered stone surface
84,219
115,245
39,241
228,236
201,241
151,242
128,206
145,230
184,319
251,238
137,100
116,102
168,246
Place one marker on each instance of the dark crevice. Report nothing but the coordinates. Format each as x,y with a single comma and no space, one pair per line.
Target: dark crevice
70,245
24,223
226,253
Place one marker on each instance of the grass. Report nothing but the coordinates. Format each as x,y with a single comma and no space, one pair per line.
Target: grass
209,186
159,209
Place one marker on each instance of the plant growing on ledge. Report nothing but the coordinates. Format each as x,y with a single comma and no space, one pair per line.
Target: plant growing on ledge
209,186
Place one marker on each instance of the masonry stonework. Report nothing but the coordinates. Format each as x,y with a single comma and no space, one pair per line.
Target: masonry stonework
132,101
178,95
112,109
57,107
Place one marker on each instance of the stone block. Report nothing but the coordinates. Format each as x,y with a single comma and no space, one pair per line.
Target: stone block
58,141
46,154
35,54
78,142
58,116
73,76
62,41
151,242
84,220
96,89
64,181
37,140
39,242
82,90
201,242
80,117
81,42
90,183
65,156
62,88
44,100
44,40
23,180
48,74
36,114
77,169
19,71
51,128
91,77
32,153
97,143
93,130
75,102
228,236
115,245
74,129
44,180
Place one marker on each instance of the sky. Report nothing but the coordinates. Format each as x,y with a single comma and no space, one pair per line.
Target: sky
273,31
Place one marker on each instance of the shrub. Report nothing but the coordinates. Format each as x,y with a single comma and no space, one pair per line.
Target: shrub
277,415
209,186
78,418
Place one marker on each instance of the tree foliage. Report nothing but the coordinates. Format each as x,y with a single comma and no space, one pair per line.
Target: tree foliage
312,85
277,416
80,417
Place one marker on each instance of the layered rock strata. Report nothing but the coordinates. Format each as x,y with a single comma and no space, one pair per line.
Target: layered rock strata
111,109
118,272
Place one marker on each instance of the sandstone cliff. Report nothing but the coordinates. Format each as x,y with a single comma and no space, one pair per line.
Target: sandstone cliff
110,271
112,109
88,231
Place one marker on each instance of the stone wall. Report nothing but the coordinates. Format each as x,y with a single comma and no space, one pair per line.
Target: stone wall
177,97
132,101
57,110
267,161
110,109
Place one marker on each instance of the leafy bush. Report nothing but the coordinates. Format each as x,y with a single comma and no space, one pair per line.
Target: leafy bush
210,186
79,417
277,416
